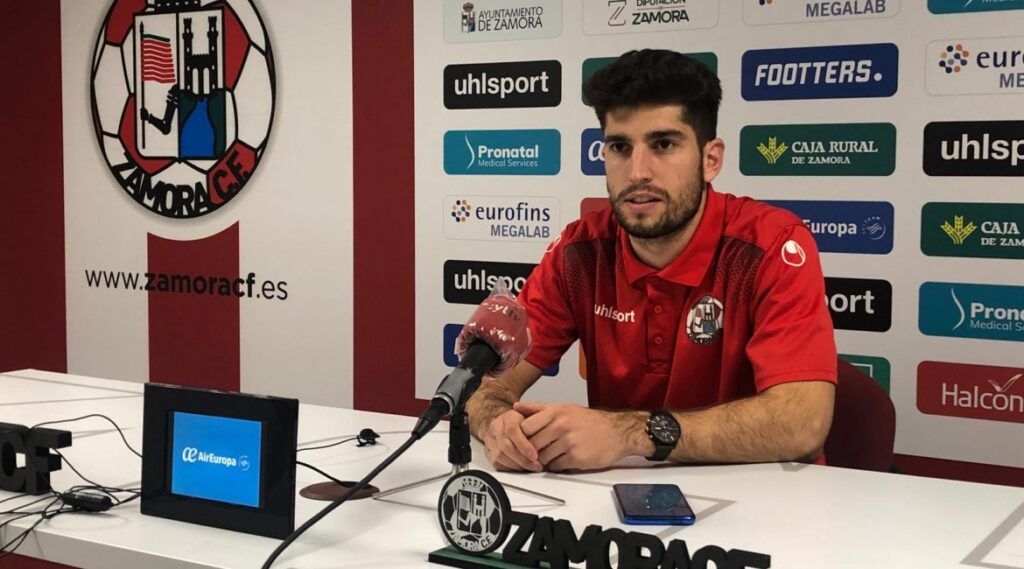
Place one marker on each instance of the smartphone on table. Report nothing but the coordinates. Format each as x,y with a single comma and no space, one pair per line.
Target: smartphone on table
653,504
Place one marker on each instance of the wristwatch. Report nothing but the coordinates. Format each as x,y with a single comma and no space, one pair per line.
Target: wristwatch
664,431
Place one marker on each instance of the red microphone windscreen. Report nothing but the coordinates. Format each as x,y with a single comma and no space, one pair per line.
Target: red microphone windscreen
500,321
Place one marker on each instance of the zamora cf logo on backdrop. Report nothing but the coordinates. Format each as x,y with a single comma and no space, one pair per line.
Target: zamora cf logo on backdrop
182,100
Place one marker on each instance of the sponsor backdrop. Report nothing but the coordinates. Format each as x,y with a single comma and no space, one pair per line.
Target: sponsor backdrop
244,195
888,126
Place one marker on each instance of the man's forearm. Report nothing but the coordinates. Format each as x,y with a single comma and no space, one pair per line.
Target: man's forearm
492,399
778,425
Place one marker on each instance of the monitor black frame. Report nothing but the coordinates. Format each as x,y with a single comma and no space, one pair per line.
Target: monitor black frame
280,419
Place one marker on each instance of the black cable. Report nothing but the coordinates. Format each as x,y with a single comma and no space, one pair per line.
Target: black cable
320,472
116,426
333,505
343,441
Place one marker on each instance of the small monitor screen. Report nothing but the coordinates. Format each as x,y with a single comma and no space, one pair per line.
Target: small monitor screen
216,458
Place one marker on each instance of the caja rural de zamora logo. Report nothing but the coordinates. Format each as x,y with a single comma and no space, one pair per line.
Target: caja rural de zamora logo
182,100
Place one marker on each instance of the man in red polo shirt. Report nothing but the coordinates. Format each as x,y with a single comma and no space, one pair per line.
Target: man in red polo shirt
701,314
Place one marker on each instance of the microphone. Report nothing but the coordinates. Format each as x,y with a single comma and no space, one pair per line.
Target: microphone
494,339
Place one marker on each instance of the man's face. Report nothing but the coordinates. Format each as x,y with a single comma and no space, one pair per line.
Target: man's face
654,169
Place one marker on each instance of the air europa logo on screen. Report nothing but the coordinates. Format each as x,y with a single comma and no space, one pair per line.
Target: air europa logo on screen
491,218
974,148
975,66
826,72
503,85
961,310
502,152
182,101
974,391
193,455
845,226
957,6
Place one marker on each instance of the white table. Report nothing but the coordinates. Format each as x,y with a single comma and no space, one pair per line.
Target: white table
802,515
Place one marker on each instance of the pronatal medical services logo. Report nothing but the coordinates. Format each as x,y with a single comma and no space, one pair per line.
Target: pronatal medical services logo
846,226
991,230
958,6
183,100
500,20
961,310
502,152
757,12
859,149
631,16
473,510
991,393
498,218
974,148
975,66
826,72
704,321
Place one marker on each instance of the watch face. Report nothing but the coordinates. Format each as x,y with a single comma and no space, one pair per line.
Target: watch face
664,429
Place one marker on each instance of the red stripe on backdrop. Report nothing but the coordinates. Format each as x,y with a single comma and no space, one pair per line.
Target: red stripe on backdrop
33,325
384,224
194,338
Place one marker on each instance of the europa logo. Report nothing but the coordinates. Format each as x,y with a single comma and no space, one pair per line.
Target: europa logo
182,101
960,310
826,72
502,152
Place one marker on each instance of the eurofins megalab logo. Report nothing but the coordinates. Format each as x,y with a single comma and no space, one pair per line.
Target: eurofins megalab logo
182,100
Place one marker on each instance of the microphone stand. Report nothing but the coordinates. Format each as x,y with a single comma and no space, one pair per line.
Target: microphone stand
460,454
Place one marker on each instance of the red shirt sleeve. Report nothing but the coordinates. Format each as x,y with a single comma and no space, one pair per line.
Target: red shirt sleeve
792,339
551,322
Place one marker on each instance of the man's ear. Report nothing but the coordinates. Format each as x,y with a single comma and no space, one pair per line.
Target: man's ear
713,158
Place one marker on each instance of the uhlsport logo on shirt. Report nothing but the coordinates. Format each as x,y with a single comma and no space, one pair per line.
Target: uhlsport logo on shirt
962,310
470,282
592,64
845,226
990,230
860,149
825,72
757,12
499,218
503,85
975,66
502,152
859,304
631,16
958,6
991,393
591,145
182,101
501,20
974,148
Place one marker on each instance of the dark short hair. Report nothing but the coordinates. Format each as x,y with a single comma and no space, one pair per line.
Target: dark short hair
658,77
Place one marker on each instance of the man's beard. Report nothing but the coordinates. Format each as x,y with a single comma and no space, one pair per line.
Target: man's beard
676,216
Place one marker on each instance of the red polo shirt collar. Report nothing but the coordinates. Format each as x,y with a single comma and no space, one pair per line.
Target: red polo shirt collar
689,267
